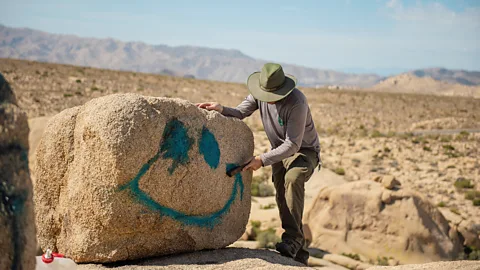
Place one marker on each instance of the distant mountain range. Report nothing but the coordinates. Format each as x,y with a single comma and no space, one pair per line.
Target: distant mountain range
200,62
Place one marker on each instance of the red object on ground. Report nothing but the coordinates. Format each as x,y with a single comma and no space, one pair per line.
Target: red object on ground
53,255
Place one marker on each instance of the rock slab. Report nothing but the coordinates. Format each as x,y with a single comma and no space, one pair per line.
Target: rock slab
455,265
228,258
127,177
17,227
365,218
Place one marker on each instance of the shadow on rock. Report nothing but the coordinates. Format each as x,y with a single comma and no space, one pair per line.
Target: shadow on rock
228,258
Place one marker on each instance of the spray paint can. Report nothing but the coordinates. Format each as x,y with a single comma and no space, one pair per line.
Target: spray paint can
54,261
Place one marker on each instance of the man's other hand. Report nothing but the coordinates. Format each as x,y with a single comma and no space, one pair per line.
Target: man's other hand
211,106
254,164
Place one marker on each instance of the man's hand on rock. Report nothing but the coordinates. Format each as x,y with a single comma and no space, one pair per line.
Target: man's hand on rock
254,164
211,106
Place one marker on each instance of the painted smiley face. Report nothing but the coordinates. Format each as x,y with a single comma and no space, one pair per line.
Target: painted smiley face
175,145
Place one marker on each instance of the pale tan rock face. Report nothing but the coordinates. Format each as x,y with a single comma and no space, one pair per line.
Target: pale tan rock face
17,227
127,176
365,218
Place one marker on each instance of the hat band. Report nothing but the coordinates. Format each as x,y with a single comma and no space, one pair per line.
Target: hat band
272,88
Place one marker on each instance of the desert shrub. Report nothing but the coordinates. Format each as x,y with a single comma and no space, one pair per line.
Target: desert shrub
406,135
352,256
426,148
267,238
455,211
268,206
445,138
356,162
140,89
453,154
441,204
469,253
391,134
462,183
387,150
476,202
67,95
382,260
340,171
265,190
472,194
377,134
463,135
256,224
448,147
260,187
78,81
78,93
94,88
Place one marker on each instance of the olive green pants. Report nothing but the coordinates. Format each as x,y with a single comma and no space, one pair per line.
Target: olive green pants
289,178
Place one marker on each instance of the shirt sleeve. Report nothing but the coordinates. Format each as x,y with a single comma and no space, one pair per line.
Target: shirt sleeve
245,109
293,139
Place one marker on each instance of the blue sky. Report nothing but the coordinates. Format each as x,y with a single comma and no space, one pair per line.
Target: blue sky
350,35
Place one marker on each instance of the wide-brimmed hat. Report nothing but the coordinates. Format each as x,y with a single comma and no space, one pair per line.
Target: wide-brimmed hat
271,84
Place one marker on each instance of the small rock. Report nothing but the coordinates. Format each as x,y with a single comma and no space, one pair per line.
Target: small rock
387,197
392,262
389,182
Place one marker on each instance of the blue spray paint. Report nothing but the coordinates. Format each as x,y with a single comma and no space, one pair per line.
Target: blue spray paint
208,146
208,220
175,145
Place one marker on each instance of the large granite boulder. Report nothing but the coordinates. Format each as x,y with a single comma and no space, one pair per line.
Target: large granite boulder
126,177
17,227
367,219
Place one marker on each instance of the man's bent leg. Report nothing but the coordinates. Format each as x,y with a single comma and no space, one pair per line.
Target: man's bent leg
287,247
299,168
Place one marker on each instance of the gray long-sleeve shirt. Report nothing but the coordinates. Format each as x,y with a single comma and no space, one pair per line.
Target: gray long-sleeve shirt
288,124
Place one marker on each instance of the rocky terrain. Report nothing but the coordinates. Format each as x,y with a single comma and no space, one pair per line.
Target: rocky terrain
427,143
188,61
411,83
452,76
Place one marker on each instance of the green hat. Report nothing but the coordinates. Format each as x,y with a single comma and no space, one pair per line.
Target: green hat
271,84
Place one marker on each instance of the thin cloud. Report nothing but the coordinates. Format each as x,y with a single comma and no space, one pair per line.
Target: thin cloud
434,15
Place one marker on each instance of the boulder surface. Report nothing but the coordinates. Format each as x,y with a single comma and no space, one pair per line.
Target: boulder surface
17,226
127,176
455,265
365,218
228,258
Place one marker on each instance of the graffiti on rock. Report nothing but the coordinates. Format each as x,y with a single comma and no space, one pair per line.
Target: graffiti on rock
175,145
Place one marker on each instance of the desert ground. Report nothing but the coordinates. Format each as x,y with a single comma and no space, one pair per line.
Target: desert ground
429,143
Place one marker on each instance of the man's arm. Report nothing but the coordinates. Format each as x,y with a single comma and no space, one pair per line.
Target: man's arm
245,109
293,139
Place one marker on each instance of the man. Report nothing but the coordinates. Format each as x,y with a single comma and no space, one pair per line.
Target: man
295,150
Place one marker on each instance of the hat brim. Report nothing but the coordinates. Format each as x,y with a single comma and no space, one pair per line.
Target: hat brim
253,84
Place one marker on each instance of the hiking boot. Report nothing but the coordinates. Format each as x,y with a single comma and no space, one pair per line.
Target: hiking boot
286,248
302,257
302,260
